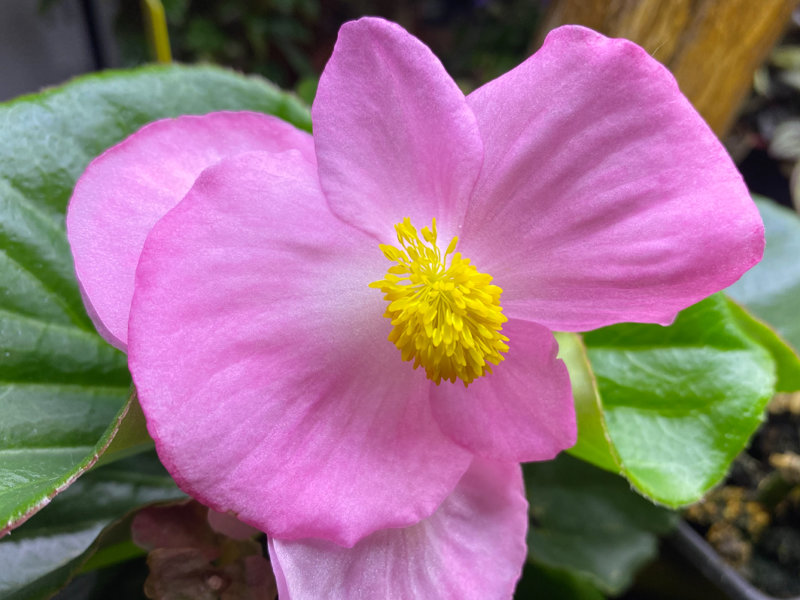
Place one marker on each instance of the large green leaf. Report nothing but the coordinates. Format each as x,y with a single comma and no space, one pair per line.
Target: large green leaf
60,384
771,290
43,554
589,523
672,406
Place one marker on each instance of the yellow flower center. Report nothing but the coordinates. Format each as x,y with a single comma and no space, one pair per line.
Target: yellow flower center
447,318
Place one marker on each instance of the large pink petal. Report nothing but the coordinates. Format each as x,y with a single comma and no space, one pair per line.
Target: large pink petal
393,133
473,547
523,411
133,184
262,365
604,197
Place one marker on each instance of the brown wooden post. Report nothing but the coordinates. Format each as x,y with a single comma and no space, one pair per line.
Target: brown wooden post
713,47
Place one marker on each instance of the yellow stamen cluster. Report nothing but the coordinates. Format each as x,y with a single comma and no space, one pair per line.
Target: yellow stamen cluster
446,317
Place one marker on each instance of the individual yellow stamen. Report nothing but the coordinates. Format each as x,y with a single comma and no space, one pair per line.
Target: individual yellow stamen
447,318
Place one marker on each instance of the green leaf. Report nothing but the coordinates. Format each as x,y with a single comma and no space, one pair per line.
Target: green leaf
589,523
41,556
594,441
61,385
51,432
678,402
128,435
787,363
539,581
771,289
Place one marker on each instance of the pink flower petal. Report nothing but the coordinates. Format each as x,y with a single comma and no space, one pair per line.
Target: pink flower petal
473,547
127,189
262,365
604,197
522,411
394,135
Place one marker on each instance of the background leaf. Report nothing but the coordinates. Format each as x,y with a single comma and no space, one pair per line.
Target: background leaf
42,555
540,581
589,523
771,289
787,363
678,402
61,385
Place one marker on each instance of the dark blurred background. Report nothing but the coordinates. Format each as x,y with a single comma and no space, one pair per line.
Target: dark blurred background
288,41
46,42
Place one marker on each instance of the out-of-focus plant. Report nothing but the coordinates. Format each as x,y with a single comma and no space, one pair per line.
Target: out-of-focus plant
288,41
771,118
269,37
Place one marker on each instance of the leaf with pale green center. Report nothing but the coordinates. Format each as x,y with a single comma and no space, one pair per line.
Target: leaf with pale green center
591,524
42,555
61,385
672,405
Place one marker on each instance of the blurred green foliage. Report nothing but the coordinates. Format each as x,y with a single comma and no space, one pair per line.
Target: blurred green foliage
289,41
268,37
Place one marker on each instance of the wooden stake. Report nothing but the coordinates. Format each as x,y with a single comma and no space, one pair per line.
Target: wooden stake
713,47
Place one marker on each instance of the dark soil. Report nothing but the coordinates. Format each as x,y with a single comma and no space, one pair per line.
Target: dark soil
753,519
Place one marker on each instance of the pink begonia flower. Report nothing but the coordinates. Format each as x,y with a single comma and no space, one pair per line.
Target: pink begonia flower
578,190
471,548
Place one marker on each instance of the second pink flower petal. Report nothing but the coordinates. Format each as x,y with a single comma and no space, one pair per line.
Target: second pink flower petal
126,190
521,412
393,133
472,548
261,362
604,197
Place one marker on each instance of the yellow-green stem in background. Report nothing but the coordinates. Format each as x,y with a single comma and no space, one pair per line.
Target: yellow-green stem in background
157,34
